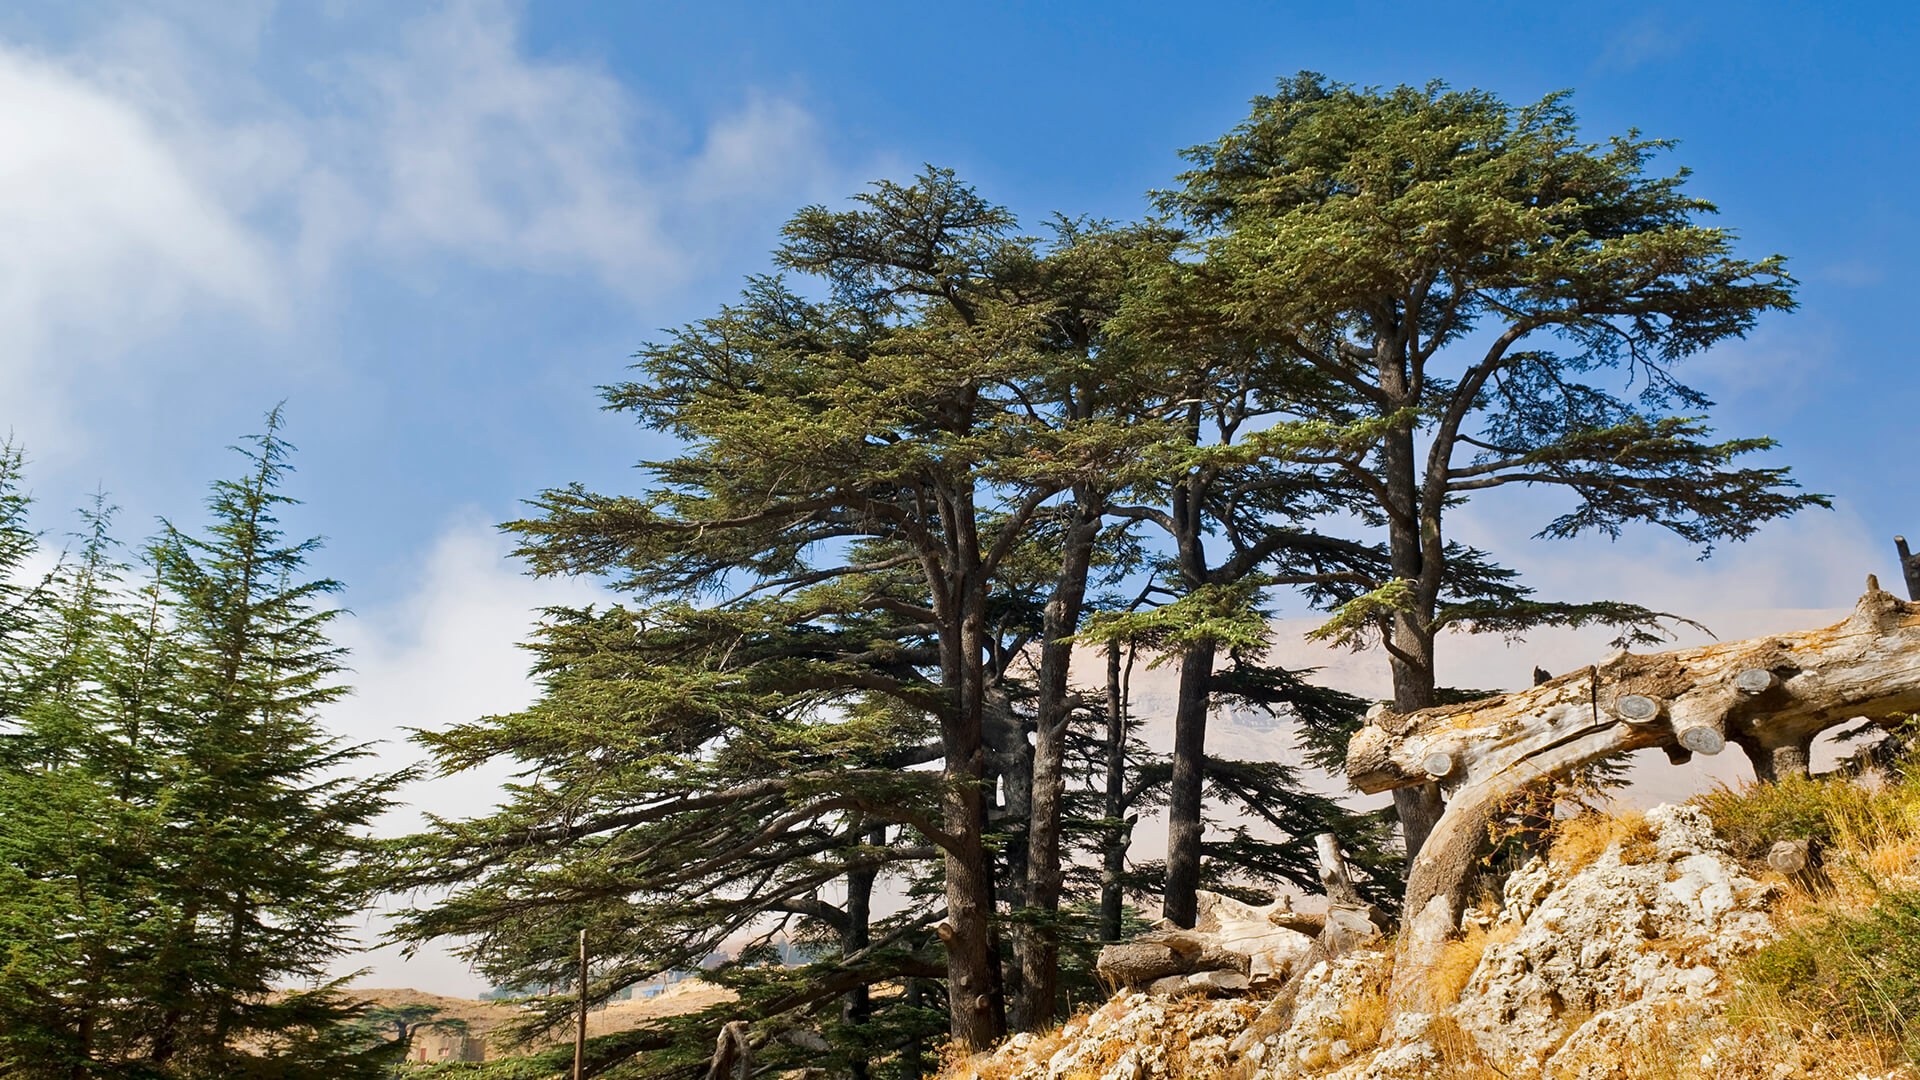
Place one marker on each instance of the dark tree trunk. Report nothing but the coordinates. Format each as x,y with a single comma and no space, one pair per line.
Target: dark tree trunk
1184,801
166,1033
1114,855
1407,635
1009,763
913,1055
976,1010
857,1008
1037,949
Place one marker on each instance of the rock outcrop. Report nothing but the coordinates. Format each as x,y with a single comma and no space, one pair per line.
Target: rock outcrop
1573,970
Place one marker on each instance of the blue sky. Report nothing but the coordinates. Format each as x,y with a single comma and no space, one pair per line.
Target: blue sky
432,229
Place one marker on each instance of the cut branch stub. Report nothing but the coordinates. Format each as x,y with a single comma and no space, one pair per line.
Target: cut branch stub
1703,735
1637,708
1334,877
1868,666
1788,856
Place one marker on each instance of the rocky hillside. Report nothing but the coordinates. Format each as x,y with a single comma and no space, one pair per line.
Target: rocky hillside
1616,957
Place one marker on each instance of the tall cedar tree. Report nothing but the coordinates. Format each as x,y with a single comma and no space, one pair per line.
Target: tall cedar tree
1478,283
926,408
266,830
82,896
693,780
177,842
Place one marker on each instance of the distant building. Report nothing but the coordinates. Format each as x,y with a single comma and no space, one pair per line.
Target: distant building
433,1047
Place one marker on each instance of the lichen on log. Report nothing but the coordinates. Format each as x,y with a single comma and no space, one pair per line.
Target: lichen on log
1770,695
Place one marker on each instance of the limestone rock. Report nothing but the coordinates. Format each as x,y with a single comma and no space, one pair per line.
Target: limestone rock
1329,1007
1624,959
1649,920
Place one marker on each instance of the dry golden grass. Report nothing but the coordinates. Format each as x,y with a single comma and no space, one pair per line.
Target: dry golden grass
1460,1056
1579,841
1365,1016
1450,972
1101,1063
1745,1045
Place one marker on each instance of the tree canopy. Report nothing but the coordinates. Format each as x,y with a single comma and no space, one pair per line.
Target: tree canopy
1490,300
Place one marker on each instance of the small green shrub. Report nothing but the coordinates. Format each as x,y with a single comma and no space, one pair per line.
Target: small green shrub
1751,819
1860,970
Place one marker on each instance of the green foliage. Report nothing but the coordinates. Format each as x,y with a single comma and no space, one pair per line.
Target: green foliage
1858,971
1223,616
178,836
1855,963
1752,818
1477,279
1833,812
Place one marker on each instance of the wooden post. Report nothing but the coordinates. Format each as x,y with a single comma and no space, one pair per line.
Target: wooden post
580,1032
1909,566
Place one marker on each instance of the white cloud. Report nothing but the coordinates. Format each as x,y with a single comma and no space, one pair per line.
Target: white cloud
480,151
110,233
447,652
509,161
153,176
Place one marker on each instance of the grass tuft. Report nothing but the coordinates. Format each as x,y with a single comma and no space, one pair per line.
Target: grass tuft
1454,967
1579,841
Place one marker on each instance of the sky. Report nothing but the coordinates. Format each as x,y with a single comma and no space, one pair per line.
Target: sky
432,229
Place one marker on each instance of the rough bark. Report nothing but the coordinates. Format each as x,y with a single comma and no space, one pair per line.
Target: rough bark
1770,695
1184,823
1408,636
1114,853
1179,902
857,1007
1037,949
975,1007
1909,567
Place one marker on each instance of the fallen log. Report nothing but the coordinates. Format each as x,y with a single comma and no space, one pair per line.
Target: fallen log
1770,696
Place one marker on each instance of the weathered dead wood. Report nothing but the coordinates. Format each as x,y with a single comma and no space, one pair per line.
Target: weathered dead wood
1137,963
1309,923
1770,695
732,1052
1909,567
1335,881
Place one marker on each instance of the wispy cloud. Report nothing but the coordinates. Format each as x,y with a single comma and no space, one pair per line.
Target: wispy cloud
110,232
157,173
1649,37
447,653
